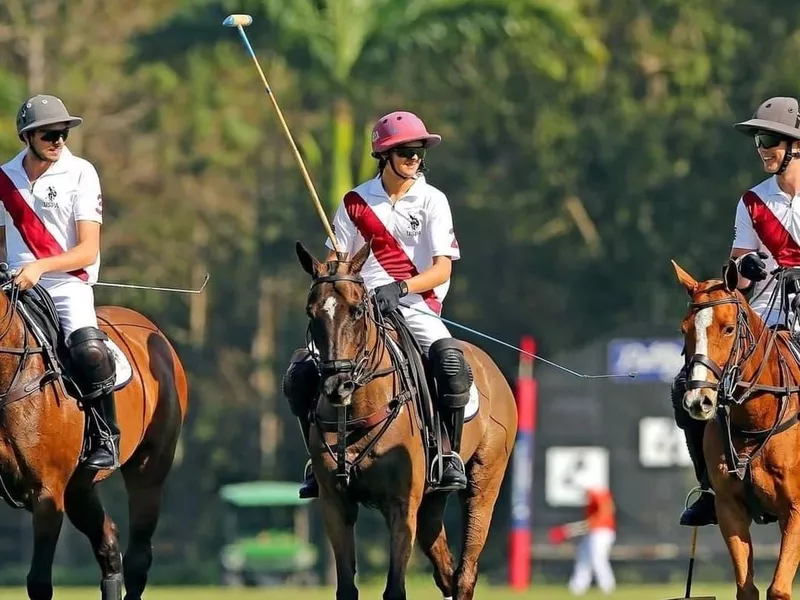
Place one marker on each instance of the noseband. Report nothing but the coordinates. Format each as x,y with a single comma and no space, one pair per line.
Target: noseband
361,368
728,376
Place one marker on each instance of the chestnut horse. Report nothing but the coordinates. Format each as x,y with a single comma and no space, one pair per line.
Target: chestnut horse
743,381
386,443
43,434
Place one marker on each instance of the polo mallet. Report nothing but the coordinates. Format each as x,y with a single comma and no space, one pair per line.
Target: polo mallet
240,22
567,531
688,593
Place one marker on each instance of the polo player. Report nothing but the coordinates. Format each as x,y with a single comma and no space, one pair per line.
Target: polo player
410,226
766,236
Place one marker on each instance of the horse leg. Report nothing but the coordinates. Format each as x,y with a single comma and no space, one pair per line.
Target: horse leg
86,512
144,482
48,516
734,524
339,517
401,517
789,557
433,541
478,504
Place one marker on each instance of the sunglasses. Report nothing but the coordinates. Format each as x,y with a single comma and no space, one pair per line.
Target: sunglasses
768,140
409,152
54,135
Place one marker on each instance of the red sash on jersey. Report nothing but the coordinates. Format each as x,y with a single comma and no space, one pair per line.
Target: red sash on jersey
386,249
34,233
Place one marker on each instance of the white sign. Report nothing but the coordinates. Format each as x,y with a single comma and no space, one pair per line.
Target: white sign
662,444
570,471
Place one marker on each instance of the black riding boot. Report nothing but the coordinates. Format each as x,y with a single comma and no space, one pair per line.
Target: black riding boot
702,512
95,373
453,380
301,386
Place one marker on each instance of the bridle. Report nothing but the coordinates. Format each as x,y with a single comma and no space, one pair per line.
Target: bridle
729,376
732,390
362,368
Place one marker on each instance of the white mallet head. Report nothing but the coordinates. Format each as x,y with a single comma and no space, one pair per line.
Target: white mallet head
237,20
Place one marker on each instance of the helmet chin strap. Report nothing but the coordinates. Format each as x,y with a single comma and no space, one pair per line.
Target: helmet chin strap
33,149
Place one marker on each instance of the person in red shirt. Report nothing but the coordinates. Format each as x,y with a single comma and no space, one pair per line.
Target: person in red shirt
592,555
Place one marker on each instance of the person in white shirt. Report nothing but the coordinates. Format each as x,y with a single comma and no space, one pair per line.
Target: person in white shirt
766,236
410,227
52,211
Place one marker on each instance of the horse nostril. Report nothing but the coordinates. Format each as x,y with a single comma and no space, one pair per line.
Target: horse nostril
346,388
706,403
330,385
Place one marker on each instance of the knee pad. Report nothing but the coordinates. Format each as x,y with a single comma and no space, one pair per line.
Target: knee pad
93,361
452,372
300,383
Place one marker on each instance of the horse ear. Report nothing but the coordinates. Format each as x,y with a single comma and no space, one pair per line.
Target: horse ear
310,264
689,282
360,258
730,275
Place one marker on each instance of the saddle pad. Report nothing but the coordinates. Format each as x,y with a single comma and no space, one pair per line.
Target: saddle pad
471,409
123,365
124,371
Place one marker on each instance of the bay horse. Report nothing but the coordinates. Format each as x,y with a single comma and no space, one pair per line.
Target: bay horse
42,438
743,382
380,458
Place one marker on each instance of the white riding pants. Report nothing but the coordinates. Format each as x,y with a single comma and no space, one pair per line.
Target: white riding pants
591,558
426,327
74,302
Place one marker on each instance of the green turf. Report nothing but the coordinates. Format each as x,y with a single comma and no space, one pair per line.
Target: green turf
419,591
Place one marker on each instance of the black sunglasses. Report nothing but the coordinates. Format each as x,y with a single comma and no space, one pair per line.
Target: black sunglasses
409,152
54,135
768,140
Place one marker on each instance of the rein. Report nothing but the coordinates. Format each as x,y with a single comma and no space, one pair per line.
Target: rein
362,370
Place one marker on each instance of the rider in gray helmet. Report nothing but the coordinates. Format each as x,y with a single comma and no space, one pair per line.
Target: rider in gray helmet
766,235
51,215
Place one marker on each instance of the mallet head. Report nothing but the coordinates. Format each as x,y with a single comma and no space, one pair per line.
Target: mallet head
237,20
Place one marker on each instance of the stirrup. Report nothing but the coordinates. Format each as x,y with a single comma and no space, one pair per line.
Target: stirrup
456,458
308,470
696,490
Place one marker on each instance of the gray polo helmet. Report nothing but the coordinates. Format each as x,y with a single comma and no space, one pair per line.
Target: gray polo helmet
44,110
779,115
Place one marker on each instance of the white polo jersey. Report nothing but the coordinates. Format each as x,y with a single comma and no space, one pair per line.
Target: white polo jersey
405,235
41,218
768,219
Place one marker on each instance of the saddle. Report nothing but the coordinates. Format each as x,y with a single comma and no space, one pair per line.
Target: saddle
38,311
415,372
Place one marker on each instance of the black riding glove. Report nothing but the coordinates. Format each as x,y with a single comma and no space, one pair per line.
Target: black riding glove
387,297
751,266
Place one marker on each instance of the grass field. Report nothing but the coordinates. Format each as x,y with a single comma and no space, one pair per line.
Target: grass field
419,591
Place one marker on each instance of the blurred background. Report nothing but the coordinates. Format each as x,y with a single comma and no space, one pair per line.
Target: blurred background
585,144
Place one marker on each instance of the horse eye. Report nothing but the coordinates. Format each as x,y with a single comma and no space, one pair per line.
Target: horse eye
729,329
357,311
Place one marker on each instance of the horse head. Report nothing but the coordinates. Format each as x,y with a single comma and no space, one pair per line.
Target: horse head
341,318
719,331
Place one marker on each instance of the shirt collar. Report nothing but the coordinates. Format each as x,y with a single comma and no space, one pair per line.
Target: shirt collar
60,166
376,188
